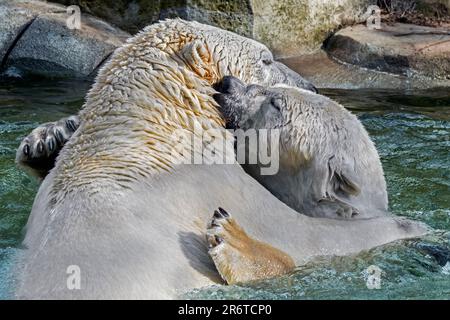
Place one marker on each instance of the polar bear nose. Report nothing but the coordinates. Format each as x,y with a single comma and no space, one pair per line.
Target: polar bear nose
229,85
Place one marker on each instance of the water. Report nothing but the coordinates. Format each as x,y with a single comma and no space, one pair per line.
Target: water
24,105
411,130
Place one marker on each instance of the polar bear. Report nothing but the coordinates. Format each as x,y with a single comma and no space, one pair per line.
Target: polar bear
119,217
329,166
252,61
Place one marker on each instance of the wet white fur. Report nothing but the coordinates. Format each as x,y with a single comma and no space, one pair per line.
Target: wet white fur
319,140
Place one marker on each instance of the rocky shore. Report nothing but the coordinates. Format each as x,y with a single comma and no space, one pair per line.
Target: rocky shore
395,56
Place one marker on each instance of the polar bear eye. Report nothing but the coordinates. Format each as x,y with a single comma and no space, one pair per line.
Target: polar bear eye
276,103
266,58
254,90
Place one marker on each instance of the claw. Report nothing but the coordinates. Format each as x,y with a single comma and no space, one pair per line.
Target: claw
59,136
217,215
26,150
40,147
51,144
224,213
71,125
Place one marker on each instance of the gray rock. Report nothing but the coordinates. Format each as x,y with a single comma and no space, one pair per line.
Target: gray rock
47,47
402,49
13,21
293,27
325,72
239,21
133,15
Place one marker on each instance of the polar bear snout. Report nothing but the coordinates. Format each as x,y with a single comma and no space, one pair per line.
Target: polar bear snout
231,99
249,106
230,85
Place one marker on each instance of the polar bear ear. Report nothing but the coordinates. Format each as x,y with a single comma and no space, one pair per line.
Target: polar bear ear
343,178
346,184
197,56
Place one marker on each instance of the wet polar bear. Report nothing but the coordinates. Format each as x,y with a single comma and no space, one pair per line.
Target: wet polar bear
329,167
118,212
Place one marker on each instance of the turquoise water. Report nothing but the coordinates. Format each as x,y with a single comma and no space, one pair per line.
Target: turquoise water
24,105
411,130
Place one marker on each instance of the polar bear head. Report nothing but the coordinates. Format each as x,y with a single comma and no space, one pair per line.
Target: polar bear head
258,107
325,156
273,108
214,53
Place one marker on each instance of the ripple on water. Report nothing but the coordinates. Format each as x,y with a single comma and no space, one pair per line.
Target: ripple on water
24,105
409,270
7,260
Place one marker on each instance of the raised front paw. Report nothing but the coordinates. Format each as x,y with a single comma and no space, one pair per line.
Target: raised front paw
40,148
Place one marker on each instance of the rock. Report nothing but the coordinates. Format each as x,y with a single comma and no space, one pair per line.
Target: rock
132,16
42,44
13,21
128,15
293,27
288,27
402,49
325,72
233,15
34,37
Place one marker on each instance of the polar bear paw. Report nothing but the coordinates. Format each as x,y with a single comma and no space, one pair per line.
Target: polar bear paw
38,151
238,257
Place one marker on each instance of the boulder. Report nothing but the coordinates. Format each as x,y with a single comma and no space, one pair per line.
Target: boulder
233,15
13,21
293,27
130,16
41,43
402,49
326,72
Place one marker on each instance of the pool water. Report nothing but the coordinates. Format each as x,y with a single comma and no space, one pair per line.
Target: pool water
411,131
23,106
